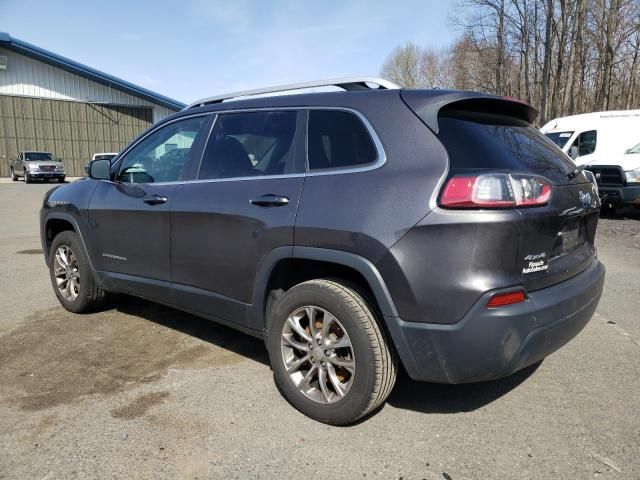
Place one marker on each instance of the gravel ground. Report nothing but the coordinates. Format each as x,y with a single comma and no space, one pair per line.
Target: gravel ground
143,391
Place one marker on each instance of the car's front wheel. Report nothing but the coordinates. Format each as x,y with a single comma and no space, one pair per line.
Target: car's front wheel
13,175
27,177
71,275
329,355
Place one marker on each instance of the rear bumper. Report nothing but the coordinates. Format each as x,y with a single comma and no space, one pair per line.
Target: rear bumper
493,343
628,195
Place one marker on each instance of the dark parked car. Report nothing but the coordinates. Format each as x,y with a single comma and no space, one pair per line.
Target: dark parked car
352,231
37,166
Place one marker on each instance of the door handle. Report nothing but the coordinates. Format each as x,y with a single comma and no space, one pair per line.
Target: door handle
155,199
270,200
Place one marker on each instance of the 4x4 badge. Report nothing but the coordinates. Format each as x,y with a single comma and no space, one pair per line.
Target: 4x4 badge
536,262
585,199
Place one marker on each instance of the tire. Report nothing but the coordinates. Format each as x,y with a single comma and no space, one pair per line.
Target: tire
27,178
61,180
78,296
13,175
357,378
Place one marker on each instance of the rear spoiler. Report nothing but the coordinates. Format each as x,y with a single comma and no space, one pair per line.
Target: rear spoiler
428,104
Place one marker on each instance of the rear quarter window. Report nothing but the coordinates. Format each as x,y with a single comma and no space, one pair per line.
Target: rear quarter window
338,139
496,142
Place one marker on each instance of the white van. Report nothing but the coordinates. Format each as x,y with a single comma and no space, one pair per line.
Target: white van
599,137
603,141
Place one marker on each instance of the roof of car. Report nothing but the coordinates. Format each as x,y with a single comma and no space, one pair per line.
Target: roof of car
427,103
355,83
612,117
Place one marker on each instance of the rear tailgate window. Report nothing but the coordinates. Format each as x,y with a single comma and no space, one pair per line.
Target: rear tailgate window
480,140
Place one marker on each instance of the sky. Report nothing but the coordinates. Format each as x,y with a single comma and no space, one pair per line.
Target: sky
190,49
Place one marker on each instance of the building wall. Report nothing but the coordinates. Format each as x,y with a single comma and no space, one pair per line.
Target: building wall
43,107
28,77
72,131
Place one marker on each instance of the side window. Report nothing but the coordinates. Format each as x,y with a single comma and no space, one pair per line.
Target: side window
250,144
586,142
165,155
338,139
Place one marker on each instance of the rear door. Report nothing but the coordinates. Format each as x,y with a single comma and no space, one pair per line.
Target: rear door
242,206
556,241
129,215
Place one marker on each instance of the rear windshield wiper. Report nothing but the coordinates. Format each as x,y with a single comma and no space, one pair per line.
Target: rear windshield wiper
576,171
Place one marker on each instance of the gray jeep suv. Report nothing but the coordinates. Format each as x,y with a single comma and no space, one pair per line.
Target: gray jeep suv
354,231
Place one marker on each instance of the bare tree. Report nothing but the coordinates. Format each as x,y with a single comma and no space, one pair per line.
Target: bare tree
402,66
412,66
562,56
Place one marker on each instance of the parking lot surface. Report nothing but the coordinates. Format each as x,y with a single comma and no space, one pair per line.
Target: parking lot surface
143,391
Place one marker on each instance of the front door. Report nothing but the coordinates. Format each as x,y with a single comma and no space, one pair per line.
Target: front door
242,206
129,224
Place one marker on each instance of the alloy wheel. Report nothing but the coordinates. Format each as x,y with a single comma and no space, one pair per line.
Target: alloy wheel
66,273
317,354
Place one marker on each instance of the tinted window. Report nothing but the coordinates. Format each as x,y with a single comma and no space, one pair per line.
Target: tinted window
338,139
586,142
486,141
250,144
165,155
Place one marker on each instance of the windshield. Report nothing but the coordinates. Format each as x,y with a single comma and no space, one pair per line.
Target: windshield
29,156
635,149
559,138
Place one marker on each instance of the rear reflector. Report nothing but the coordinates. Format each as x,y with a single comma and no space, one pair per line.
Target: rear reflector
495,190
509,298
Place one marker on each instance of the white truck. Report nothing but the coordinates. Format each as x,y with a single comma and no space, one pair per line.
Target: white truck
606,143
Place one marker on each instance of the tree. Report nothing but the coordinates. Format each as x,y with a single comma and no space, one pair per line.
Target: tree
403,66
561,56
415,67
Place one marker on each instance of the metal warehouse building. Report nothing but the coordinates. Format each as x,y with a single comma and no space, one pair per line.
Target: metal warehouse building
50,103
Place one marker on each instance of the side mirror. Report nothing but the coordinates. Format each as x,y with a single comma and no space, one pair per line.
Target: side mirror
573,153
100,169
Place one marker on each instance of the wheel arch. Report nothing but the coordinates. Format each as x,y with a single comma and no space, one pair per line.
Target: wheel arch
55,223
288,266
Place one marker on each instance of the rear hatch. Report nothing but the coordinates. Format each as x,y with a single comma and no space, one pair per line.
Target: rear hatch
490,134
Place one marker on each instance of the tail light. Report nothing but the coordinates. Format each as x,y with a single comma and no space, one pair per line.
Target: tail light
495,190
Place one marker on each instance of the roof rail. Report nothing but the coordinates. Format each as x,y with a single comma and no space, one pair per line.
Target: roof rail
346,83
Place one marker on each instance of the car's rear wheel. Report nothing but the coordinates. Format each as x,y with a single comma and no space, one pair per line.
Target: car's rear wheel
329,355
13,175
71,275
